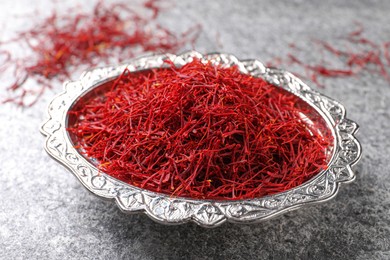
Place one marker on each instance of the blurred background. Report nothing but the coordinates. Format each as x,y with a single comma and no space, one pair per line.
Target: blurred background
46,213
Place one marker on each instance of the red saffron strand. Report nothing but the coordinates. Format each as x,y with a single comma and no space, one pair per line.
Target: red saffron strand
60,44
201,131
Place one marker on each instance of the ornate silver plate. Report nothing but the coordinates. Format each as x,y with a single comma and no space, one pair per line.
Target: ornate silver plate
208,213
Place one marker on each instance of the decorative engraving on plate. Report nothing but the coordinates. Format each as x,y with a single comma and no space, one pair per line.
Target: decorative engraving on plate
208,214
131,200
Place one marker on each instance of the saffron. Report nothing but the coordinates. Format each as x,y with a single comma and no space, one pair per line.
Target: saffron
362,55
61,44
201,131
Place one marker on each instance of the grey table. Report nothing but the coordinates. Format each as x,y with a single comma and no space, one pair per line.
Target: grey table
46,214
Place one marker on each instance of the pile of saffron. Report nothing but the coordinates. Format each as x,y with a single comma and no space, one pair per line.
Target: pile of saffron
62,43
200,131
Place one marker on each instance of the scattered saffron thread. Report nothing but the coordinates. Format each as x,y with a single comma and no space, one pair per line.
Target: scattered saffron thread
201,131
363,55
62,43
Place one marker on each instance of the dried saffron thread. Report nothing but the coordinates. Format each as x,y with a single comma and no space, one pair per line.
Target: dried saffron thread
363,55
62,43
201,131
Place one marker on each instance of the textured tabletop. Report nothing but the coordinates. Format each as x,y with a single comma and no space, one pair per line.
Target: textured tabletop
45,213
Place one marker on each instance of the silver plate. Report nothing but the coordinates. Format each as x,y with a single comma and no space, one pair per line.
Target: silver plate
208,213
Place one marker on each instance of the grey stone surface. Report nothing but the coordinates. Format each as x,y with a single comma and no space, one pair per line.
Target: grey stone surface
46,214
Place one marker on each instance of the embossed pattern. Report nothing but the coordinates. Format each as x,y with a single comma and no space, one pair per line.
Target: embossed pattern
170,210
